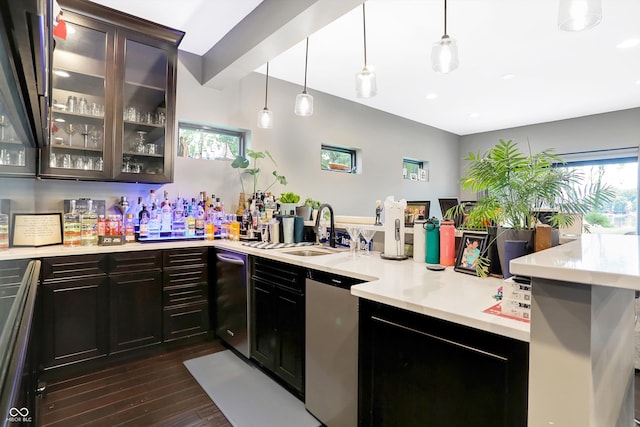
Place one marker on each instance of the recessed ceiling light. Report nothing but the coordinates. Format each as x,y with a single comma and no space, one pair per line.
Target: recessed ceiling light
61,73
508,76
432,96
628,43
474,115
638,82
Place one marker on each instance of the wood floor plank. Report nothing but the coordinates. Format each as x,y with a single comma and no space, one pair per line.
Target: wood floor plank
157,390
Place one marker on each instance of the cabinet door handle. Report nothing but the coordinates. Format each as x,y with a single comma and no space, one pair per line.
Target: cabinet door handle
229,259
231,333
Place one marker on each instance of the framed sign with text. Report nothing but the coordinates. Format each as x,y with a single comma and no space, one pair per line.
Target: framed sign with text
36,229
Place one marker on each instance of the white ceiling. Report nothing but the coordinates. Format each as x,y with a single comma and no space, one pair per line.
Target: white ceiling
557,75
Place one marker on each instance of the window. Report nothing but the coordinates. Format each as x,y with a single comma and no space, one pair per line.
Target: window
415,170
205,142
337,159
621,174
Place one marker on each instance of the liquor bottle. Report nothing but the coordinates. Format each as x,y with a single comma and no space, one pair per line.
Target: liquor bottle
199,221
209,222
178,226
129,229
154,221
143,221
72,227
191,219
166,216
136,214
89,226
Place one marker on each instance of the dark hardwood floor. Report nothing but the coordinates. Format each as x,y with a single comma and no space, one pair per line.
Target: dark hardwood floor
155,391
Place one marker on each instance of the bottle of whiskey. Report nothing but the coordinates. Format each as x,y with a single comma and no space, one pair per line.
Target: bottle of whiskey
89,226
72,227
144,222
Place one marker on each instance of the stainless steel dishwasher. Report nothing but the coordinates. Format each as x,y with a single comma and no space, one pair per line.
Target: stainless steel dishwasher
331,347
232,299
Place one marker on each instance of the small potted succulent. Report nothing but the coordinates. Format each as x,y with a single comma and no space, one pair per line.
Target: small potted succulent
310,207
288,203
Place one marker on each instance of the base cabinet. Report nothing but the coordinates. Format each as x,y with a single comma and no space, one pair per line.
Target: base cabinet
420,371
75,309
278,321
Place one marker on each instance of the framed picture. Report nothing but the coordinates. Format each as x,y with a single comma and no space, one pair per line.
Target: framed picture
416,210
36,229
471,246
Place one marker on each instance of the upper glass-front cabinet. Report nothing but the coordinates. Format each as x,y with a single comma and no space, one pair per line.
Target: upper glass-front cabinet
113,98
80,109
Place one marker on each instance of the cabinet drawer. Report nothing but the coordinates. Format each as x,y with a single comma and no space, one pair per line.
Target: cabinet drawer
65,267
179,258
131,262
186,321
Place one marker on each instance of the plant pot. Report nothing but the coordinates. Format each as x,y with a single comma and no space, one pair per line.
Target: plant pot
505,234
304,212
286,208
492,252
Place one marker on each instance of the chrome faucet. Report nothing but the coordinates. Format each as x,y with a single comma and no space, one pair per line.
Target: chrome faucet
332,227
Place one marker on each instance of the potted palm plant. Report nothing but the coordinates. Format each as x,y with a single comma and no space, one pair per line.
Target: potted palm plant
518,187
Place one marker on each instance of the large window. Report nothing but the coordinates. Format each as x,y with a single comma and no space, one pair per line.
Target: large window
338,159
205,142
619,170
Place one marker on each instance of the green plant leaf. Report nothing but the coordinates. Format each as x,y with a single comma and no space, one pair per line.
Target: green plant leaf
255,154
240,162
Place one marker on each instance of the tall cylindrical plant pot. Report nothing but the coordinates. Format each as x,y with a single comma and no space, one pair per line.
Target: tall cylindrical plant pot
492,252
513,249
304,212
505,234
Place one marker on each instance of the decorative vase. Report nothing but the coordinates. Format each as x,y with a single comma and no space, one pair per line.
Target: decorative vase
304,212
241,200
512,234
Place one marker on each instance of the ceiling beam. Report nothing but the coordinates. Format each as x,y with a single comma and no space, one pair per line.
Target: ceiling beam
270,29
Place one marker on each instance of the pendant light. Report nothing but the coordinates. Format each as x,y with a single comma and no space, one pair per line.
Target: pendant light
265,117
579,15
365,79
444,54
304,101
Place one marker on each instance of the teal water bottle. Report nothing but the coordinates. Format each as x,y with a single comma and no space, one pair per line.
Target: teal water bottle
433,241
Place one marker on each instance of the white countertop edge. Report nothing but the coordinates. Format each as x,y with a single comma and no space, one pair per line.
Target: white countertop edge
594,259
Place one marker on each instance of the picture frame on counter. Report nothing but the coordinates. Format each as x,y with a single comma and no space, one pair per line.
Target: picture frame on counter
472,245
36,229
416,210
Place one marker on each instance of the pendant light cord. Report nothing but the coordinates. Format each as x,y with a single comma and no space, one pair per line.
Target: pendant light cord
306,58
266,87
364,31
445,17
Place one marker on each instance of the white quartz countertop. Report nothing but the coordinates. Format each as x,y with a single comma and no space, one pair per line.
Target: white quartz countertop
594,259
447,295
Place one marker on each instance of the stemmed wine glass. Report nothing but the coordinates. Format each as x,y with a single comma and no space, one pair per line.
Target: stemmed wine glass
85,129
96,137
367,234
70,129
4,122
354,237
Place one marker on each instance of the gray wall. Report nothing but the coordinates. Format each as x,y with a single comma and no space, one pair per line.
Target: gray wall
619,129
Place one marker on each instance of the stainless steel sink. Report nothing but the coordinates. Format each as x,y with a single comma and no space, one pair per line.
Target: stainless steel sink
308,252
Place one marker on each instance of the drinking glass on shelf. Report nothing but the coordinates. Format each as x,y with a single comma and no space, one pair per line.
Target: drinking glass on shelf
354,237
367,234
70,129
85,129
140,142
98,164
96,137
4,123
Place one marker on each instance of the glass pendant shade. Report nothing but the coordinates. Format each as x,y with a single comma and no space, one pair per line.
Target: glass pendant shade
366,84
579,15
444,55
304,104
265,119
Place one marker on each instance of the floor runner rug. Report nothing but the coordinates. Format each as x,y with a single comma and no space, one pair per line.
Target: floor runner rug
245,395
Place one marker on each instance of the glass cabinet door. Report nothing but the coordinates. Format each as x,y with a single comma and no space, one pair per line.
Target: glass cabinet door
141,142
79,143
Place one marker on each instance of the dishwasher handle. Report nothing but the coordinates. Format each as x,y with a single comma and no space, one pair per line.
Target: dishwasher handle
231,260
333,279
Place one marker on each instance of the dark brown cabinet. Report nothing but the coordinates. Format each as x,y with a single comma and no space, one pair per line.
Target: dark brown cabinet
75,309
185,293
277,321
416,370
135,300
113,108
